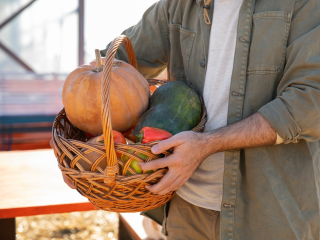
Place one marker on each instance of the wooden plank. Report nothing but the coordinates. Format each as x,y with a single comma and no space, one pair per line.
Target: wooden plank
26,146
50,209
25,110
133,223
30,137
26,89
30,96
31,184
25,141
8,229
124,233
27,119
29,125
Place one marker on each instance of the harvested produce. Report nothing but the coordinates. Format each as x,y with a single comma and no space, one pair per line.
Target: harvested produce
153,88
117,138
89,135
81,96
92,156
149,134
134,164
173,107
129,134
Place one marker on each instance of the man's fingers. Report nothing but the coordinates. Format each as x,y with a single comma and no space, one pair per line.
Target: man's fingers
166,144
51,143
68,182
164,183
52,146
155,164
174,186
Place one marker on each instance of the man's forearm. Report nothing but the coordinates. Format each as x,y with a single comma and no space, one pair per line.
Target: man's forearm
190,149
253,131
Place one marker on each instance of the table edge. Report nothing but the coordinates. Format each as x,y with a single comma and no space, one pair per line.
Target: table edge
47,209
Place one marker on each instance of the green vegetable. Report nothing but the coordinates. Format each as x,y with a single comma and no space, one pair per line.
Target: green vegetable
173,107
134,164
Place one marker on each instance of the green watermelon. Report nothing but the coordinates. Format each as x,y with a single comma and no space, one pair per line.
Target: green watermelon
174,107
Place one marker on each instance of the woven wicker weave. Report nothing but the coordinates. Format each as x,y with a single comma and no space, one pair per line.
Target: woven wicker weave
109,189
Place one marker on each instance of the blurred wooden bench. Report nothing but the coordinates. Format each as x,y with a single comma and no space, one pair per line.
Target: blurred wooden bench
31,94
31,184
25,132
28,106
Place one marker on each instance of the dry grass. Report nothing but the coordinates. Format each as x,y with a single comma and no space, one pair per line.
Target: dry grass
95,225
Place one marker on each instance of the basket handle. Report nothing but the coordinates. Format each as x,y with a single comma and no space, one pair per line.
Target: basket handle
112,165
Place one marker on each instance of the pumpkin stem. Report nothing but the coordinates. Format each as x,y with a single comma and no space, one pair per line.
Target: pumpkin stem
98,67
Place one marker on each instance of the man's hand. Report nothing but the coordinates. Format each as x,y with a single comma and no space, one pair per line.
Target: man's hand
190,149
68,182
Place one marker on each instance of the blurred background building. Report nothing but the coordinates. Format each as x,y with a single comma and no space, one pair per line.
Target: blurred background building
41,41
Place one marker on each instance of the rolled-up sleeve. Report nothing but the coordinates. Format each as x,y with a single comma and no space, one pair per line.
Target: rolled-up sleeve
295,113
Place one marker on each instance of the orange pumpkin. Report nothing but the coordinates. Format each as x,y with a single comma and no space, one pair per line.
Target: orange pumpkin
81,96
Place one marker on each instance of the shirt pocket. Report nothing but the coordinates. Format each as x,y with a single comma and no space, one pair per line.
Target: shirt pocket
181,43
269,42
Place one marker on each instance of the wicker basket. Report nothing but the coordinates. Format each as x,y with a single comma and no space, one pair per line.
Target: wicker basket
108,189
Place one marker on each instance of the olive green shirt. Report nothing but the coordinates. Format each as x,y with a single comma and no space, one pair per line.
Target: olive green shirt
269,192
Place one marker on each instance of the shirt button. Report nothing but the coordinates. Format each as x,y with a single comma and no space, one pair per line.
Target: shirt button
203,63
241,39
226,205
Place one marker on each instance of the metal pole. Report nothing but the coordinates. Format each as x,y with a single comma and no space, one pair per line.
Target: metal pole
15,14
15,57
7,50
81,32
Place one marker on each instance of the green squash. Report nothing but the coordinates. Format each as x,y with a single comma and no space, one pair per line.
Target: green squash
174,107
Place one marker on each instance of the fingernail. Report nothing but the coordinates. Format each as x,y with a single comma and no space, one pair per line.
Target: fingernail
154,149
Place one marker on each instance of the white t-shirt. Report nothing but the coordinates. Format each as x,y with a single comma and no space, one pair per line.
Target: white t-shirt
204,188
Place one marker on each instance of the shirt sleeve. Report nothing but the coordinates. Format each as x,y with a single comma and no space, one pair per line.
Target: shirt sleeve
295,113
150,41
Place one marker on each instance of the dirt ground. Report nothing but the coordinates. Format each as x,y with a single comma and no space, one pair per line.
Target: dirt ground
95,225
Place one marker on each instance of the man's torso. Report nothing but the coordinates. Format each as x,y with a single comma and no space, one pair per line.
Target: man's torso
271,189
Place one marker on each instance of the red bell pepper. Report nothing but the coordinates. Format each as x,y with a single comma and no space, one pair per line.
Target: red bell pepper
149,134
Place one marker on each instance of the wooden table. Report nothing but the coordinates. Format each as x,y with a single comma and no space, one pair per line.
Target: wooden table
31,184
